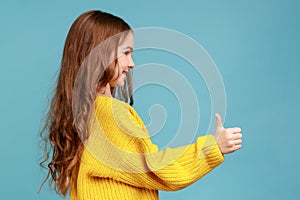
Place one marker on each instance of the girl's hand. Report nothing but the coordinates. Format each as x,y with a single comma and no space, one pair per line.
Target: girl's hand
228,139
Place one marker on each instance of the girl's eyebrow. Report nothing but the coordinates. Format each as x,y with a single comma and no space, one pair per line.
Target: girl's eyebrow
130,48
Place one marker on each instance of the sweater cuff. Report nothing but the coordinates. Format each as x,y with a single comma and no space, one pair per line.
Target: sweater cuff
211,151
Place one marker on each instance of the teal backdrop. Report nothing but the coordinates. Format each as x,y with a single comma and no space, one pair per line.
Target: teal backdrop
255,44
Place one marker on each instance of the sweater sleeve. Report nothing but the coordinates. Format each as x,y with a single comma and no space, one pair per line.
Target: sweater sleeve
129,156
173,168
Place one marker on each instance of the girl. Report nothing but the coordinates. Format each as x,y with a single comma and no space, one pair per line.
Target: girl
100,147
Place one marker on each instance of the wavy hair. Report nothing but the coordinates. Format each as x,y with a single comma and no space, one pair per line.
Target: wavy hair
84,69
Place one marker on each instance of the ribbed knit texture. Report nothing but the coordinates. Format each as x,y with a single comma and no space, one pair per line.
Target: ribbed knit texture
120,161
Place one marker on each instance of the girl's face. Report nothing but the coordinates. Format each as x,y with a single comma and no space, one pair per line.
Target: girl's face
124,62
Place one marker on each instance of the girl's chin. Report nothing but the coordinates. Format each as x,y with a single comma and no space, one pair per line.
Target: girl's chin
121,83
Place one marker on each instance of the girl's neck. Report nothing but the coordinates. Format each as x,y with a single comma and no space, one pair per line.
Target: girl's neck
105,91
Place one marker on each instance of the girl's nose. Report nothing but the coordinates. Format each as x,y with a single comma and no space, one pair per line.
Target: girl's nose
131,63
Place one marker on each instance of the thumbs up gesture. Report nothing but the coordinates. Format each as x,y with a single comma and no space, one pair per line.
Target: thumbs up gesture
228,139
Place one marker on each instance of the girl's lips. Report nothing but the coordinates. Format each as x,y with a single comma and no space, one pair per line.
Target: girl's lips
124,74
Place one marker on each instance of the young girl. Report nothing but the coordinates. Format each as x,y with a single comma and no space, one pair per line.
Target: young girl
100,147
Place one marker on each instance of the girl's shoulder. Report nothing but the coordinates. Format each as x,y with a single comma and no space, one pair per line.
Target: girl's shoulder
110,104
120,111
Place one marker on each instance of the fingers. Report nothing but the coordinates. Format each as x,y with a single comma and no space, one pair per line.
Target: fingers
234,129
237,136
238,142
219,123
230,141
237,147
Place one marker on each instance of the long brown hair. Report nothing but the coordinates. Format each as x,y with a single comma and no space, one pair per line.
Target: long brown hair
66,123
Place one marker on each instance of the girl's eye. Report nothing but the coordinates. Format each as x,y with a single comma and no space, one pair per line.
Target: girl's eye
127,52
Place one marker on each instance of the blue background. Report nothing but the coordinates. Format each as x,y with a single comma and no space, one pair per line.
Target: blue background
255,45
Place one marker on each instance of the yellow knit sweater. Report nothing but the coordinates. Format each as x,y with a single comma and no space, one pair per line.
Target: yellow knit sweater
120,161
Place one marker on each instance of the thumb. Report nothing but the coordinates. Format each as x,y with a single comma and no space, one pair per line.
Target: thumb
219,123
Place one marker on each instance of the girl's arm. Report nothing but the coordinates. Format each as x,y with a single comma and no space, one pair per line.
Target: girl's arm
172,168
125,153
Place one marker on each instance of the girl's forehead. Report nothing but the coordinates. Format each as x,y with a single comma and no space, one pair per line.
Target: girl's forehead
129,41
127,44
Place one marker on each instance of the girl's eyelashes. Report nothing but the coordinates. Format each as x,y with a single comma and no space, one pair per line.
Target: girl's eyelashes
127,52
